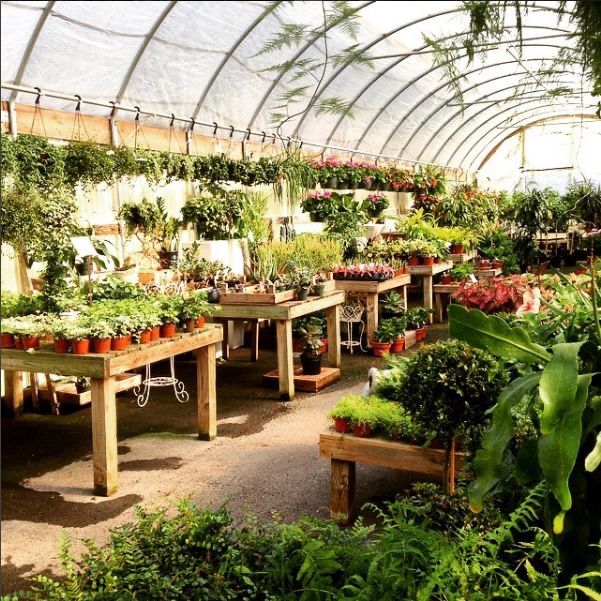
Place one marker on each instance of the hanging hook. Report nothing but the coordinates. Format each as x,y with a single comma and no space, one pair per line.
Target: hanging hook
78,106
301,144
114,109
215,129
37,100
137,113
172,120
247,134
289,141
231,131
264,136
273,140
192,124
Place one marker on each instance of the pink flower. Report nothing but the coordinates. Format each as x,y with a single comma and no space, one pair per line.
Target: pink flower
530,302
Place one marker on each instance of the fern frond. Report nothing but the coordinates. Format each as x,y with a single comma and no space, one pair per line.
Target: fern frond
334,106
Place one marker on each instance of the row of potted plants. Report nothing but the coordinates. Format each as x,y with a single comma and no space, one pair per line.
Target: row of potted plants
459,273
389,336
109,325
376,272
323,204
371,416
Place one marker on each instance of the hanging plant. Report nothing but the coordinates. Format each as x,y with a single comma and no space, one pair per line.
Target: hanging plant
89,164
126,165
41,164
8,157
149,165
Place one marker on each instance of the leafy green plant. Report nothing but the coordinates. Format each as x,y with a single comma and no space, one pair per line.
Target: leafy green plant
217,215
393,304
462,271
386,331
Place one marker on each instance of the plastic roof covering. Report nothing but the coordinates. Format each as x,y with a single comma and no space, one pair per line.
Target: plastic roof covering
197,59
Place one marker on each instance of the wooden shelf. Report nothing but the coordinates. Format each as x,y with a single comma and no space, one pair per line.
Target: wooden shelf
430,269
305,383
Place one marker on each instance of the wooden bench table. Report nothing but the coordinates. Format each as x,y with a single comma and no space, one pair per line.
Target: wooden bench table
439,291
427,272
283,314
370,291
103,370
345,450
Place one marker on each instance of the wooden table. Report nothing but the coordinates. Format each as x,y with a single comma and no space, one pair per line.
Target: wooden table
439,290
103,369
463,257
371,290
283,314
345,450
427,272
488,273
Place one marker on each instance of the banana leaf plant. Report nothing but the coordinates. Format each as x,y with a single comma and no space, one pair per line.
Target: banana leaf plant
562,384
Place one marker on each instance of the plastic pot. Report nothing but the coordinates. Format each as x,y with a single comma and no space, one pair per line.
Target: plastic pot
342,425
319,289
374,214
80,347
428,260
61,346
413,261
168,330
100,345
398,346
362,430
446,279
380,348
30,342
201,322
342,184
155,333
302,294
331,182
19,343
120,343
420,334
190,326
145,336
457,249
7,341
311,364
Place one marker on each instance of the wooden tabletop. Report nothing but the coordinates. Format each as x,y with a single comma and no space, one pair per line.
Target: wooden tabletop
374,287
430,269
95,365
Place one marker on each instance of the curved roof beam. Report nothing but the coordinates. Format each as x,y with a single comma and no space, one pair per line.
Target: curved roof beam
503,120
300,52
445,84
506,137
466,122
460,111
365,48
30,46
147,39
269,10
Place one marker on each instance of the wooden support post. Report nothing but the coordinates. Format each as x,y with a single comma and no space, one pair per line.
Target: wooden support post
254,340
452,469
438,299
285,363
333,321
104,436
206,375
428,295
225,345
13,393
342,490
52,392
372,316
405,297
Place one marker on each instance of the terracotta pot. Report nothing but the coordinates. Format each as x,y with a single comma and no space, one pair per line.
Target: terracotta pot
420,334
145,336
342,425
100,345
398,346
380,348
168,330
190,326
80,347
437,260
446,279
428,260
362,430
61,346
7,341
497,264
413,261
120,343
30,342
155,333
201,322
324,348
458,249
581,271
484,265
19,343
297,345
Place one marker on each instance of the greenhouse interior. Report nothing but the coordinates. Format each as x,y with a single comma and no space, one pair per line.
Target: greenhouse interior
301,300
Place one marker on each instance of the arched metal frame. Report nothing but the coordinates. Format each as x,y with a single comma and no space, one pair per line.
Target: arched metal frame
505,120
506,137
517,125
299,53
46,12
462,111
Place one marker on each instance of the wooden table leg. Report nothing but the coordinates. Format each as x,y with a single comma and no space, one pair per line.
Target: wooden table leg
13,393
254,340
206,386
405,297
104,436
333,320
371,309
438,301
428,295
342,490
225,344
285,363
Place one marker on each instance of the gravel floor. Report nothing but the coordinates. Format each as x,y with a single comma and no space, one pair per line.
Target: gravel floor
265,459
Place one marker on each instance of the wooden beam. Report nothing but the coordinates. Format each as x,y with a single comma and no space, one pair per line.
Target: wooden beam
333,323
285,359
207,393
12,403
342,490
104,436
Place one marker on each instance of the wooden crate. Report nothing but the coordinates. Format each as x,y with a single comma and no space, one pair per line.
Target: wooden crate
251,297
304,383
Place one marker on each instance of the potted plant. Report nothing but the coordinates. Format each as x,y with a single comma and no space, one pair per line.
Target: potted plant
195,307
302,277
392,305
59,330
416,320
28,330
167,236
169,313
319,287
100,333
7,337
363,419
123,326
462,271
319,204
375,204
311,355
399,324
342,413
384,336
79,336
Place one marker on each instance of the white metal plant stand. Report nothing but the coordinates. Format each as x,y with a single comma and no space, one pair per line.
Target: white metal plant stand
351,314
142,392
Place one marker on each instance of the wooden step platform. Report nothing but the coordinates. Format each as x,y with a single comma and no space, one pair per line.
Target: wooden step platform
304,383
